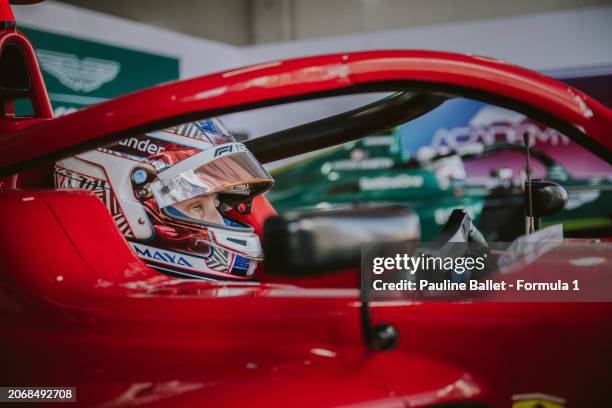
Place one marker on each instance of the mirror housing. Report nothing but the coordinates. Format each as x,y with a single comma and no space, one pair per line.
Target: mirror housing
315,242
548,198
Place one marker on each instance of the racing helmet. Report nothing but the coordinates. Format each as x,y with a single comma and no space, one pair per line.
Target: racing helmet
178,195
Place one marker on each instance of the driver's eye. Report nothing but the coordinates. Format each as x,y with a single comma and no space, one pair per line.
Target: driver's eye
196,209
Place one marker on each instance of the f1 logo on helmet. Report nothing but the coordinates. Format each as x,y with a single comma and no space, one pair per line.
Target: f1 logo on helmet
230,148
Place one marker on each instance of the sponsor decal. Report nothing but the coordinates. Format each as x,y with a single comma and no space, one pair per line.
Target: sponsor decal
161,255
229,148
493,124
390,183
140,145
365,164
83,75
242,266
537,400
214,265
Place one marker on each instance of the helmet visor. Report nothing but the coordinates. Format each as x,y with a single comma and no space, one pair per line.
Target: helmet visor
235,172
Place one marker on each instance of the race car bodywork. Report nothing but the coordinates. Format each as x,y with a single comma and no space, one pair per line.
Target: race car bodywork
79,308
377,169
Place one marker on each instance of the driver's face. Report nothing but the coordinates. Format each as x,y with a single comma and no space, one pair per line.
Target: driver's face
201,208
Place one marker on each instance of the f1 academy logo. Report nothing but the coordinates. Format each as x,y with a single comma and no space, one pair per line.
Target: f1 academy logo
491,124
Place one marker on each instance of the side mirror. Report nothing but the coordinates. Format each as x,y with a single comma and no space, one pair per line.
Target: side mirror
547,198
315,242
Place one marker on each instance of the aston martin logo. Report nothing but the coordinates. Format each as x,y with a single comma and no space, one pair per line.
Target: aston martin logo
84,75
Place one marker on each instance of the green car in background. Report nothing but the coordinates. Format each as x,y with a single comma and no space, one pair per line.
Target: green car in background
378,169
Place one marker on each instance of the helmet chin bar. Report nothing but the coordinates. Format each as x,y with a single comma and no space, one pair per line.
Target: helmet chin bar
191,249
194,234
173,230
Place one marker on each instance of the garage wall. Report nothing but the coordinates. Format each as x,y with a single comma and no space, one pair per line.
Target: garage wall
552,40
228,21
575,40
284,20
197,55
546,41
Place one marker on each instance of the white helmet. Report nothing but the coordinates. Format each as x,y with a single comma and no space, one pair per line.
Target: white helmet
175,194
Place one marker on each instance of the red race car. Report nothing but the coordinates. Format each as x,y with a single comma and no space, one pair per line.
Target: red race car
79,308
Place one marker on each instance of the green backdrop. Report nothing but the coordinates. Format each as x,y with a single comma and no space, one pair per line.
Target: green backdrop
80,72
